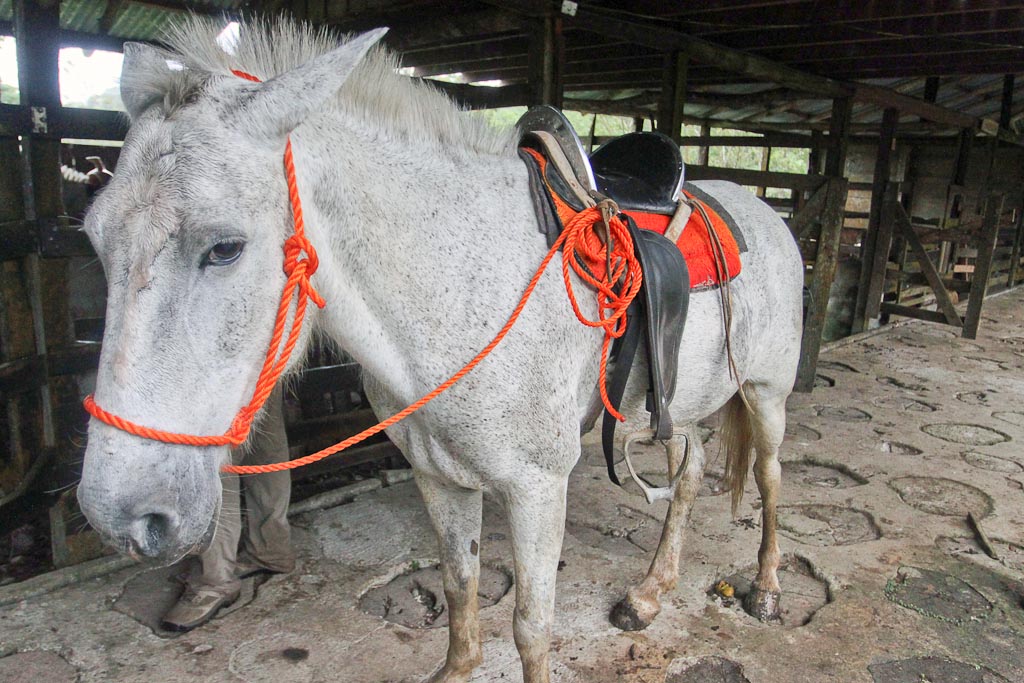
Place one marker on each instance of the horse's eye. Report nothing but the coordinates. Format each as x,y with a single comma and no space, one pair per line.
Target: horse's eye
223,253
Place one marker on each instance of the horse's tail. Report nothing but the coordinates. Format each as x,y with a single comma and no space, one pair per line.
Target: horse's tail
738,441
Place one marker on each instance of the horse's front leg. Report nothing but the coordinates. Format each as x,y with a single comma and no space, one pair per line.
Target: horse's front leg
456,514
536,510
642,602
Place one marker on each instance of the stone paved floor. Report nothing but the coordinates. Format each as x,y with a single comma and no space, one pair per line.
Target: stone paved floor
909,431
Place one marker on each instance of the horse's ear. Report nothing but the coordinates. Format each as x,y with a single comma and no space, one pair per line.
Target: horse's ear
282,103
145,74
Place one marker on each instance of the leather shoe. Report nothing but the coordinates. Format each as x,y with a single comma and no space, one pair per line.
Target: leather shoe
195,608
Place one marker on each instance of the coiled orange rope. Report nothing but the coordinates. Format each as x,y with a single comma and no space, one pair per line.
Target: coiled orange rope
578,239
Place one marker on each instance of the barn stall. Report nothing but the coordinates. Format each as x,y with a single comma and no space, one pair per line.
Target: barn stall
887,137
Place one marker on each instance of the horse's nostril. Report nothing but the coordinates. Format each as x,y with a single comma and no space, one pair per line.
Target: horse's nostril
154,532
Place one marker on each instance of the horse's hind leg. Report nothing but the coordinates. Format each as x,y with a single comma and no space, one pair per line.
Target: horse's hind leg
768,427
642,602
456,515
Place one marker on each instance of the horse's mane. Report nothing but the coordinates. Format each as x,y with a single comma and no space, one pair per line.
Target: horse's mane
375,92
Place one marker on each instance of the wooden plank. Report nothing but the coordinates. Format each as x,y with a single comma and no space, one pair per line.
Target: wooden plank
878,240
743,176
927,267
983,266
911,312
821,282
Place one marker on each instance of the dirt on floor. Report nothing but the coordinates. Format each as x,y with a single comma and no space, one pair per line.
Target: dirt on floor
885,581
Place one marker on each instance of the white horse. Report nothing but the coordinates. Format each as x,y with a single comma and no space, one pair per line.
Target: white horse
427,237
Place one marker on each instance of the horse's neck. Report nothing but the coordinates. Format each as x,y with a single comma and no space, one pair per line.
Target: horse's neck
428,253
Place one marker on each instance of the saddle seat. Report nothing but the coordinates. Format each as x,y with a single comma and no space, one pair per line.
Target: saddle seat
641,172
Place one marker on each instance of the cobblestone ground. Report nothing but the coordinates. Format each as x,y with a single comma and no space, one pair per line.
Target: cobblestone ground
908,431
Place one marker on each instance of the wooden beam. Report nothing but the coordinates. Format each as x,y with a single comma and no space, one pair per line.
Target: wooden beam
546,60
839,134
809,214
482,97
927,267
884,97
983,265
744,176
878,240
673,95
90,124
659,37
911,312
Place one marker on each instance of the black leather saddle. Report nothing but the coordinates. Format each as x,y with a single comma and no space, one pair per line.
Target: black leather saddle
640,171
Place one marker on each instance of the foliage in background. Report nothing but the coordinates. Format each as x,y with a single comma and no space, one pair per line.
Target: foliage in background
783,159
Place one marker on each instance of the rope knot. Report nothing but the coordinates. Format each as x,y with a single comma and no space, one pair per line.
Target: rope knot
294,248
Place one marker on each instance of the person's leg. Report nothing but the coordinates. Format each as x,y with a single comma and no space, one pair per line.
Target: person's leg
266,544
216,584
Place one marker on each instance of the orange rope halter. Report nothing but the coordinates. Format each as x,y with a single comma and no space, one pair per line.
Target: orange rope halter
578,238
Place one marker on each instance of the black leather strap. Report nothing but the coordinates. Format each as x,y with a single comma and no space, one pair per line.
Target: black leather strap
623,354
656,318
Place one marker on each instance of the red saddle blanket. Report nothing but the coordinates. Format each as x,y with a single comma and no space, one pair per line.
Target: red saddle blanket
695,242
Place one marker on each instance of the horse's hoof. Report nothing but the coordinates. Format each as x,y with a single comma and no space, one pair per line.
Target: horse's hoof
630,614
763,605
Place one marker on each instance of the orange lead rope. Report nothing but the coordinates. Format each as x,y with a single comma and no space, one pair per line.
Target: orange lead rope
578,238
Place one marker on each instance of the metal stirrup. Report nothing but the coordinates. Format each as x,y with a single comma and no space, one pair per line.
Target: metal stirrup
651,492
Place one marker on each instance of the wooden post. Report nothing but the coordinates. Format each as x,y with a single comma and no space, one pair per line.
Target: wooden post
828,243
821,282
766,162
875,250
983,265
704,151
673,95
546,60
955,198
1006,105
37,31
1018,238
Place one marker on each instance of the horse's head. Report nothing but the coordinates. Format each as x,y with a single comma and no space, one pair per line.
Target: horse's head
190,234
